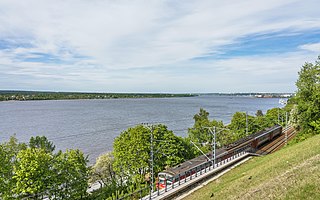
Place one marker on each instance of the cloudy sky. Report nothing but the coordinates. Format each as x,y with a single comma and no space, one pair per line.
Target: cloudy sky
156,45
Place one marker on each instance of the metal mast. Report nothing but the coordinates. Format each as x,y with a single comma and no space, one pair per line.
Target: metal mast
286,128
214,147
246,123
151,155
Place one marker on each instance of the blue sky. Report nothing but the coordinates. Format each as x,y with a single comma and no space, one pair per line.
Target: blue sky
156,46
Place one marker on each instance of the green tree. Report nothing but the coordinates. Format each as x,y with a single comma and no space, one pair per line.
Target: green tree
72,174
8,153
276,116
32,173
35,172
240,122
132,150
5,173
41,142
200,132
273,115
259,113
308,95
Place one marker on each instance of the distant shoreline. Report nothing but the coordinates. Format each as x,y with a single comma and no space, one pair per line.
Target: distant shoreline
37,96
43,95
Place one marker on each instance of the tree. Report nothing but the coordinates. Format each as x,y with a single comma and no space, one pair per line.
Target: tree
273,115
276,116
239,125
308,95
72,174
132,150
293,119
32,173
102,171
259,113
5,173
41,142
8,153
200,132
35,172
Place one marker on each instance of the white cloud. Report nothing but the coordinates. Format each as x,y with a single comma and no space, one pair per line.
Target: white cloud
315,47
117,35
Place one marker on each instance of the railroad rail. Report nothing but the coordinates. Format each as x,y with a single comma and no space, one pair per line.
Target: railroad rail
287,134
190,182
187,182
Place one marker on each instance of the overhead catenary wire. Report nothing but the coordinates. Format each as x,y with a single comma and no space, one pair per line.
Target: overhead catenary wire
102,131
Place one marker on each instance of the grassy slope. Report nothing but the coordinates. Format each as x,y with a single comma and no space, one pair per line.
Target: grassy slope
291,173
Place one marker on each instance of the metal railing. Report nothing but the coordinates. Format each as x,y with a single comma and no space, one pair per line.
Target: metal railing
184,178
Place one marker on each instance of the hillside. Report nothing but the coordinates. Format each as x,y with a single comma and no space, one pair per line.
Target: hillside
291,173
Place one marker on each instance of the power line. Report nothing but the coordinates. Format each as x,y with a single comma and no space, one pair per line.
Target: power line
115,129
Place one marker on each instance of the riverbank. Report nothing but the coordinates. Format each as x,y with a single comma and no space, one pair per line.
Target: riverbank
39,95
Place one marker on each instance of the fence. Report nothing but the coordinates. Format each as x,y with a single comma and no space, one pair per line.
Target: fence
184,178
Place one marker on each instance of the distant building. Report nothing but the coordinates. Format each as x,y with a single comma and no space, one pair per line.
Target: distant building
286,95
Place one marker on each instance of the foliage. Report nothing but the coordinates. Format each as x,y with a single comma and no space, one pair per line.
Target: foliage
316,126
238,124
259,113
278,116
202,131
273,115
102,171
72,175
8,153
308,95
132,150
243,125
32,172
34,95
5,172
42,143
294,118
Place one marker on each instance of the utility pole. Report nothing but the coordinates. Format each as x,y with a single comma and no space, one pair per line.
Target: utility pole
286,119
286,128
214,147
247,123
151,156
214,143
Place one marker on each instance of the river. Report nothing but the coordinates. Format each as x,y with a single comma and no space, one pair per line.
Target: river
92,125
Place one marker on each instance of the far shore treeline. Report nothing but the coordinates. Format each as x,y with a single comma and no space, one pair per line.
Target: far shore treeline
15,95
35,171
6,95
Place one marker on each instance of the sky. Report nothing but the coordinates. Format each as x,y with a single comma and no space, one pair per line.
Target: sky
162,46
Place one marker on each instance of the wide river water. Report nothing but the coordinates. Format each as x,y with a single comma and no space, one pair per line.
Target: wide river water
92,125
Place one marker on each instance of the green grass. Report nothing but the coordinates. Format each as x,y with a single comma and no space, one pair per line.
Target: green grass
291,173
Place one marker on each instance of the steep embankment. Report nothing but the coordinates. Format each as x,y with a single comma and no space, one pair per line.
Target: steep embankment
291,173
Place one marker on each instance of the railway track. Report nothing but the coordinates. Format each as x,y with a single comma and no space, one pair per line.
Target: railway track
277,143
197,173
